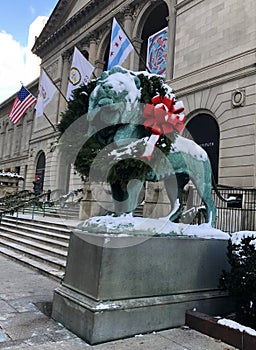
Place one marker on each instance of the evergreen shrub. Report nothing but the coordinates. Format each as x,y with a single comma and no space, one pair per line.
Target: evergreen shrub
240,281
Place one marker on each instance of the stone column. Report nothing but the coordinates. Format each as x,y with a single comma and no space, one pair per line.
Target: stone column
2,138
64,80
128,30
99,66
135,59
171,40
92,49
8,140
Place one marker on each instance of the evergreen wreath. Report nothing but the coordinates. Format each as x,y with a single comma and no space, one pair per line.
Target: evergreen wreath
127,169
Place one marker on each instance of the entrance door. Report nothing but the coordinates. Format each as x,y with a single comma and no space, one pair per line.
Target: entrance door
40,169
205,132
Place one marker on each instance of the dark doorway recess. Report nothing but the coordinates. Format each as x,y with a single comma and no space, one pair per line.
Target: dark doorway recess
40,168
204,130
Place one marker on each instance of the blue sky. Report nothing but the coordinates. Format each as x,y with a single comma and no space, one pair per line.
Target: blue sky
16,16
15,19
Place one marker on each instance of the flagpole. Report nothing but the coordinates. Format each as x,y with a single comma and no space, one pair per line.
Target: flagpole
56,86
49,121
136,51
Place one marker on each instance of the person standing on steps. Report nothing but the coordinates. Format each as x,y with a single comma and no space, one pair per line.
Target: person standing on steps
37,185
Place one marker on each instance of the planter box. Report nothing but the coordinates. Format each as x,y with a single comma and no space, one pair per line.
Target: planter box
208,325
119,286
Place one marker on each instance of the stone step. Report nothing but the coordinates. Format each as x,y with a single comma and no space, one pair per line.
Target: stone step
47,238
41,244
139,211
53,261
43,268
43,247
36,231
42,225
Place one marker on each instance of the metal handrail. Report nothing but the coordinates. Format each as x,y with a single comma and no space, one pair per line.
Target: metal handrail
33,201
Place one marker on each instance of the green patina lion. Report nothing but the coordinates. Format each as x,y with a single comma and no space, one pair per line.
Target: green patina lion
115,118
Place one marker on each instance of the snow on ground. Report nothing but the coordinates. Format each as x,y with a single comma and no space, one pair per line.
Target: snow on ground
236,325
127,224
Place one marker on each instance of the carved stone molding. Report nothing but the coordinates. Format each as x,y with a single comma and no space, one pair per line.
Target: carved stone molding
93,36
238,98
137,8
127,11
67,54
83,45
52,70
54,32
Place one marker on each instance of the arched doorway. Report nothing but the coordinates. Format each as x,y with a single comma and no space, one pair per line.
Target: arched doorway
40,169
204,130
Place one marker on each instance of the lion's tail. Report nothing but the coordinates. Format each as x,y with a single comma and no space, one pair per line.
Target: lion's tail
219,195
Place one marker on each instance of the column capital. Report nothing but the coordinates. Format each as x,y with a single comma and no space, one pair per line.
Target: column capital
67,53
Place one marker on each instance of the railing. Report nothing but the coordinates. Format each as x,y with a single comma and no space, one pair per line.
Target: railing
238,214
17,203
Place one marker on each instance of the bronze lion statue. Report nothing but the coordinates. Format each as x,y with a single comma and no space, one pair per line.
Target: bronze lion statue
149,135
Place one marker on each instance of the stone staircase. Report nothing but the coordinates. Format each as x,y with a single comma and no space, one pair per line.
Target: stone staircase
66,212
41,243
40,238
139,211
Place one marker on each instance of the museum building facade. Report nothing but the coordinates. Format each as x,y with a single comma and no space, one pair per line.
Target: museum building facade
211,65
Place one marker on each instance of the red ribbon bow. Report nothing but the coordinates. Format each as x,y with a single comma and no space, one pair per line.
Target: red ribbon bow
162,116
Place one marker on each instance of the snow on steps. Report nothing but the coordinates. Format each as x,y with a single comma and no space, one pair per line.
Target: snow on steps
41,243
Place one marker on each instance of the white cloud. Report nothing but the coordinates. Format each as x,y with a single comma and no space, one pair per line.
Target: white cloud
12,65
17,63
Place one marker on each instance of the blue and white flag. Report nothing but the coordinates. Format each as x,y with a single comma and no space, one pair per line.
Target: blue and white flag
120,46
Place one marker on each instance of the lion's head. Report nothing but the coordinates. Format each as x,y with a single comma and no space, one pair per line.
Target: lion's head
114,99
116,85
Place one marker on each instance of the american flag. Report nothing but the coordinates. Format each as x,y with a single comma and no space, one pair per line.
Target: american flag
21,104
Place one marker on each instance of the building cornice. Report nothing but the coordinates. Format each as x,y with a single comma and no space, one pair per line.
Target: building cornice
54,33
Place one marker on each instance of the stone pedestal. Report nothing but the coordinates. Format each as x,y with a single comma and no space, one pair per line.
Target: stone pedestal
116,286
8,185
156,203
96,201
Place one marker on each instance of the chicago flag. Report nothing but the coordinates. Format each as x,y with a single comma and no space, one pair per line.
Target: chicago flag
120,46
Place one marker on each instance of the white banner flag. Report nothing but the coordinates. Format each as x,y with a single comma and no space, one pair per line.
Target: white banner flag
80,72
46,91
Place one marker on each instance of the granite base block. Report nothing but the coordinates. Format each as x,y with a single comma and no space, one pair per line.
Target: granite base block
119,286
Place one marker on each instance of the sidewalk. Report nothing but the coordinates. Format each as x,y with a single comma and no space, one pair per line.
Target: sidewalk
24,292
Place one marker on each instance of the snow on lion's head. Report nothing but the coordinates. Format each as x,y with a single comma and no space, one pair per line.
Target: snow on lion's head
114,99
113,86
